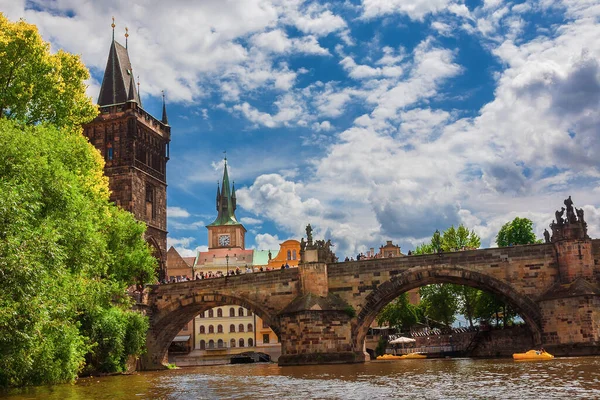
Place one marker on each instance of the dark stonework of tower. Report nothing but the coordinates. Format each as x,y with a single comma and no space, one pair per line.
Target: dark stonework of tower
135,147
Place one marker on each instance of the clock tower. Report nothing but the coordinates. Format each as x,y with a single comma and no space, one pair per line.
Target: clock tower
226,232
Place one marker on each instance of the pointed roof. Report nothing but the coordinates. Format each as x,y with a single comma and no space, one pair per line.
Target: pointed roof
118,84
225,203
164,118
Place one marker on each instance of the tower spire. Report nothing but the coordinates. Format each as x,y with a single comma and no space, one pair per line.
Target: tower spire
126,36
113,28
164,119
226,202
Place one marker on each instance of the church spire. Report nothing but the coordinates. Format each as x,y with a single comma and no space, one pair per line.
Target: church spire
226,202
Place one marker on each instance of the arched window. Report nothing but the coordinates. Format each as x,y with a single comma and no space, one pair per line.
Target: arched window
249,327
294,255
240,312
232,343
241,342
201,315
202,329
219,313
211,344
289,255
211,314
220,344
232,312
232,328
250,342
219,328
202,345
211,329
241,328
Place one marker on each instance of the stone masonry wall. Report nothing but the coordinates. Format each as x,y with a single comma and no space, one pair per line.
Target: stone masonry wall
571,320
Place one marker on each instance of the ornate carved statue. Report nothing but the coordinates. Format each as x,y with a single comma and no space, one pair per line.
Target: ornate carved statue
580,215
546,236
302,245
270,255
571,218
309,237
559,216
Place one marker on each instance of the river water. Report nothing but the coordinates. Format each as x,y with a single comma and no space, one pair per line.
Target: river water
562,378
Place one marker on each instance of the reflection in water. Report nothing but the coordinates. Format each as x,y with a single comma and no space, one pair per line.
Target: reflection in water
563,378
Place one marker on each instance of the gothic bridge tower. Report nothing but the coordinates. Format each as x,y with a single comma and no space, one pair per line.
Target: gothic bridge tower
135,147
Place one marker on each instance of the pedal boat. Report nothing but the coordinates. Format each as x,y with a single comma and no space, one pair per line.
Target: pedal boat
410,356
533,355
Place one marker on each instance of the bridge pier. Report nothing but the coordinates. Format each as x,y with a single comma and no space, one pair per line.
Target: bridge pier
571,308
316,328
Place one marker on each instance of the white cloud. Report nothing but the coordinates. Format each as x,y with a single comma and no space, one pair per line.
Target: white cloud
177,212
415,9
266,241
250,221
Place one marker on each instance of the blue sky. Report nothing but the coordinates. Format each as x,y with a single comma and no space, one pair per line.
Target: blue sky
372,120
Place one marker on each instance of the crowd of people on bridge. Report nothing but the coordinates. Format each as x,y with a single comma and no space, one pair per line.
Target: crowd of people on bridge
220,274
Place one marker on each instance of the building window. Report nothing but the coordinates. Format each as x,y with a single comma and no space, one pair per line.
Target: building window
202,345
232,343
202,329
232,328
232,312
219,313
265,338
241,342
265,325
249,327
220,344
294,256
201,315
220,328
211,329
150,202
241,328
289,255
211,344
241,312
250,342
109,151
210,313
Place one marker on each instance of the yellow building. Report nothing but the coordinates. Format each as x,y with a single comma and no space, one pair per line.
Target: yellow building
289,253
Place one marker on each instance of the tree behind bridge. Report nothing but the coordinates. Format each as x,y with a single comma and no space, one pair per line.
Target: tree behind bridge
517,231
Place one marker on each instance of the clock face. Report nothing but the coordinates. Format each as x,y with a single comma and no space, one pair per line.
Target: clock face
224,240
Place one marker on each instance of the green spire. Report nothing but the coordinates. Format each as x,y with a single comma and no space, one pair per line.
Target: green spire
226,203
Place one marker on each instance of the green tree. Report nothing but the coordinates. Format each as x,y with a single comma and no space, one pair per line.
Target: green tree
37,86
399,314
439,303
453,239
517,231
67,256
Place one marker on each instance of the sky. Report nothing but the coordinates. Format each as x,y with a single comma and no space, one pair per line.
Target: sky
371,120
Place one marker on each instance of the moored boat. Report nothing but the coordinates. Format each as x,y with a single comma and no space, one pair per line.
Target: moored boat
413,356
533,355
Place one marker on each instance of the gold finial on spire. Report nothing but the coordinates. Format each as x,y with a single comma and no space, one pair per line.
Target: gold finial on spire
113,27
225,152
126,36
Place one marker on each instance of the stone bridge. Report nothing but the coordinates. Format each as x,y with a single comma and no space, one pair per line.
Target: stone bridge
321,312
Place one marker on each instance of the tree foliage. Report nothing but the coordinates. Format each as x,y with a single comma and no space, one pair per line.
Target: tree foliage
399,314
67,256
37,86
453,239
517,231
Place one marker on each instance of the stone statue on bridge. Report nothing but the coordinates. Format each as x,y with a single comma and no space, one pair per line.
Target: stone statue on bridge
309,237
571,227
546,236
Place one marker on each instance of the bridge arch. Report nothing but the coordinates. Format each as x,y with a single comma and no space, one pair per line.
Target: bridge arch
173,315
425,275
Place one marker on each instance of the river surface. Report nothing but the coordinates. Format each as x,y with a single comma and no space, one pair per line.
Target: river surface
562,378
